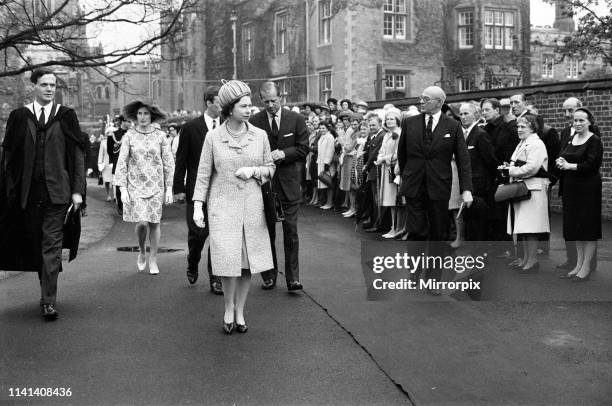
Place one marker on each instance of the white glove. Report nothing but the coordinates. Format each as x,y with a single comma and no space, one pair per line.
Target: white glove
169,197
101,167
198,214
125,196
245,172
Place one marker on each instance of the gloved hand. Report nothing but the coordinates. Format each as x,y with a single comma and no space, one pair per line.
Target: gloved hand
125,196
198,214
245,172
169,197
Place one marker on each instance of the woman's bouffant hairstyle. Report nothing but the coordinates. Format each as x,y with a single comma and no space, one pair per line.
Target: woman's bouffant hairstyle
592,127
350,104
531,121
130,111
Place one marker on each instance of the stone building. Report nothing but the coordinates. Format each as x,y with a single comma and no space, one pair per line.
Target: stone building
359,49
548,65
129,81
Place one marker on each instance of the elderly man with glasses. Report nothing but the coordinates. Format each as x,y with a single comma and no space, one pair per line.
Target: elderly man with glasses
426,146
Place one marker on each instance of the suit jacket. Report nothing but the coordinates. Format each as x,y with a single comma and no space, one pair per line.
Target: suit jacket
504,138
191,140
482,161
372,148
550,138
292,139
432,165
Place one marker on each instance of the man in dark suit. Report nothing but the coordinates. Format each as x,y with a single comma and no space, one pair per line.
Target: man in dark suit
426,146
371,149
187,160
569,106
504,138
288,139
113,145
45,168
484,168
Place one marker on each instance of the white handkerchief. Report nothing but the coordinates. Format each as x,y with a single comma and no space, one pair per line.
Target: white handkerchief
288,135
470,147
447,136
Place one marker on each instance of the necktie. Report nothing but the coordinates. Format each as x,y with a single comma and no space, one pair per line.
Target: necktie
214,124
428,131
274,126
41,118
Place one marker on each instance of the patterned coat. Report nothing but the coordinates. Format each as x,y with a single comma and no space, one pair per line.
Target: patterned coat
146,167
235,206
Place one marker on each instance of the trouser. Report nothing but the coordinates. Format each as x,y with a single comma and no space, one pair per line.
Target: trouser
291,244
196,237
428,220
44,222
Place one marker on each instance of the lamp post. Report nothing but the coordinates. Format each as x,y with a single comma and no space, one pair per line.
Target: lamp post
233,19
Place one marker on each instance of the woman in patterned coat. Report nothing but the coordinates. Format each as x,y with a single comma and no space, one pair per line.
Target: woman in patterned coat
144,174
235,162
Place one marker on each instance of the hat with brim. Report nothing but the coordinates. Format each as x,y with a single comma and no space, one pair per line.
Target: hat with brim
130,111
231,91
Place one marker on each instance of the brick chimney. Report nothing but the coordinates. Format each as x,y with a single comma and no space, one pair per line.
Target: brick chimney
564,20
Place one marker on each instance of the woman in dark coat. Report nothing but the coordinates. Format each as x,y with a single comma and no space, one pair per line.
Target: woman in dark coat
581,190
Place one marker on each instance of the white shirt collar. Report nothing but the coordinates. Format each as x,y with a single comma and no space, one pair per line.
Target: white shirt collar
36,107
209,121
466,131
278,117
436,118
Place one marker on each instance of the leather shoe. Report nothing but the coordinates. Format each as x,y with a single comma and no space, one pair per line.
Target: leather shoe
294,285
228,327
268,284
241,328
566,265
576,278
532,269
49,312
192,276
367,225
216,288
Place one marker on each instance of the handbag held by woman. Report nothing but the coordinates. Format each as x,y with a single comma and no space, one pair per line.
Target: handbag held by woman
512,192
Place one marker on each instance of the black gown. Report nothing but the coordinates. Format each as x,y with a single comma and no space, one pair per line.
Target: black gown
581,191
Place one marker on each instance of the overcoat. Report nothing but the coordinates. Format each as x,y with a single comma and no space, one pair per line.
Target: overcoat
531,215
235,206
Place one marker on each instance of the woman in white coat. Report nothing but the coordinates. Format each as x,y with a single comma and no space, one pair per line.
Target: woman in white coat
234,163
105,167
326,149
528,218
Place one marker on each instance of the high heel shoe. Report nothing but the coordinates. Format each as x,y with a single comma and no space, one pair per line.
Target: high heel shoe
567,276
532,269
141,264
241,328
228,327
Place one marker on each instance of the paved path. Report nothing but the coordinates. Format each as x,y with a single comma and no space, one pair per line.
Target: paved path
129,338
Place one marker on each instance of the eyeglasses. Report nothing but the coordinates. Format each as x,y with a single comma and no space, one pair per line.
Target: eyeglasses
427,99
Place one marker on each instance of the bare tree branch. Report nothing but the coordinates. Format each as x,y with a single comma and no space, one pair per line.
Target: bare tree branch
30,24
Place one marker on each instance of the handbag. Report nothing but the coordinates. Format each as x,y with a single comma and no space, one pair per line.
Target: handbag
327,179
512,192
273,208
